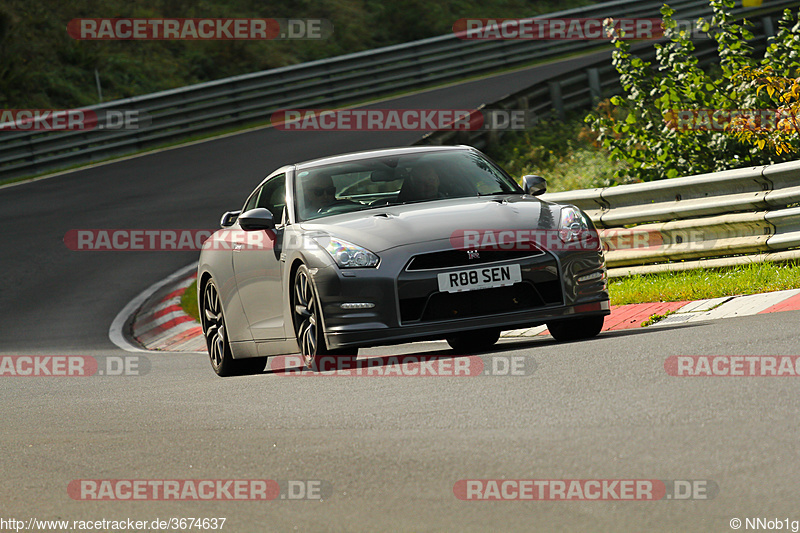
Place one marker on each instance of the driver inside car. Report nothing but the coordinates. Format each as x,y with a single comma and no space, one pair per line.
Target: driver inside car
319,192
422,184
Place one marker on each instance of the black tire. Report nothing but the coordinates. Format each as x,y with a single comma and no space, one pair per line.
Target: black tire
474,341
307,321
575,329
219,349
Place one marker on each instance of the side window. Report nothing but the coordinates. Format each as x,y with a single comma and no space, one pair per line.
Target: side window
273,197
251,202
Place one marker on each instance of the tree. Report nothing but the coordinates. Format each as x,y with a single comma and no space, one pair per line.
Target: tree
777,126
677,116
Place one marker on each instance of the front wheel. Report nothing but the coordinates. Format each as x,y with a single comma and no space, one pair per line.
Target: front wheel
474,341
219,349
575,329
307,321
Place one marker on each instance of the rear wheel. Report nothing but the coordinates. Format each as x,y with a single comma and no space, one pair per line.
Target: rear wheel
219,349
575,329
307,321
474,341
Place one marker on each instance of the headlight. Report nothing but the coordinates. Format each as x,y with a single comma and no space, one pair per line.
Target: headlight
572,224
346,254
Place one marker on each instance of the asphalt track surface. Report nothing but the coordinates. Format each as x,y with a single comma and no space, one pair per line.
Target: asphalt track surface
391,448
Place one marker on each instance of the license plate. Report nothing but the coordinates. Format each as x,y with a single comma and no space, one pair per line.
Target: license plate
479,278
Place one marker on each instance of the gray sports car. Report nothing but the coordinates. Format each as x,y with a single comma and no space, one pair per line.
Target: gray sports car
392,246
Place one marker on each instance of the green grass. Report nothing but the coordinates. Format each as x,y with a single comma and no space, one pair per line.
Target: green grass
705,283
656,318
189,301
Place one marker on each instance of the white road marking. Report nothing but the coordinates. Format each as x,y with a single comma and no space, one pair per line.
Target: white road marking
115,330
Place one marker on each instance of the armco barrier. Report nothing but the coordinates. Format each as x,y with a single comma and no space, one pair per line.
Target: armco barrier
739,190
705,218
682,266
679,240
693,196
197,109
787,228
707,194
784,185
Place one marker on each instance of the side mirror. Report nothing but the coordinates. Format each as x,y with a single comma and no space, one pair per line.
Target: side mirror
229,218
255,219
534,185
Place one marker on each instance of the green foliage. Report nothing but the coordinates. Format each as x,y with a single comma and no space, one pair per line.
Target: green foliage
562,152
778,132
647,138
656,318
42,67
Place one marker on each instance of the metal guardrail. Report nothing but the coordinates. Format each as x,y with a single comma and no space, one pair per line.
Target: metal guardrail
180,113
655,201
724,214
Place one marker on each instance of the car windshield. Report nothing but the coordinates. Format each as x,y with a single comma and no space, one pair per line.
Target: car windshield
394,180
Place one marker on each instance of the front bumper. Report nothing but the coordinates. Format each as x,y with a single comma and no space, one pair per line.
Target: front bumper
352,338
409,307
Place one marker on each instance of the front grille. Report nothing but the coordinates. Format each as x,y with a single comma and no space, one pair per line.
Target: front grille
448,305
411,308
457,258
484,302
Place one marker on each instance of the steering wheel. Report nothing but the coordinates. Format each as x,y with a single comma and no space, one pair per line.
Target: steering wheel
326,208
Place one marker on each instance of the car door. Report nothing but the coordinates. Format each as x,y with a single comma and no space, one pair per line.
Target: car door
257,265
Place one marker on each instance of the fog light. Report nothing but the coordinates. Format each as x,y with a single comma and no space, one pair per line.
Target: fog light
363,305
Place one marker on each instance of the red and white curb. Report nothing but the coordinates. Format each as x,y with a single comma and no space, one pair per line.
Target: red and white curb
159,322
633,315
164,326
156,317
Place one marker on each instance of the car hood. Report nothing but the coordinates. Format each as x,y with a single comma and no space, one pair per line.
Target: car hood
382,228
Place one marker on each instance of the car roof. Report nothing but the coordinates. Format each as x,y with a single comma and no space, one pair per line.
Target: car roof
386,152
